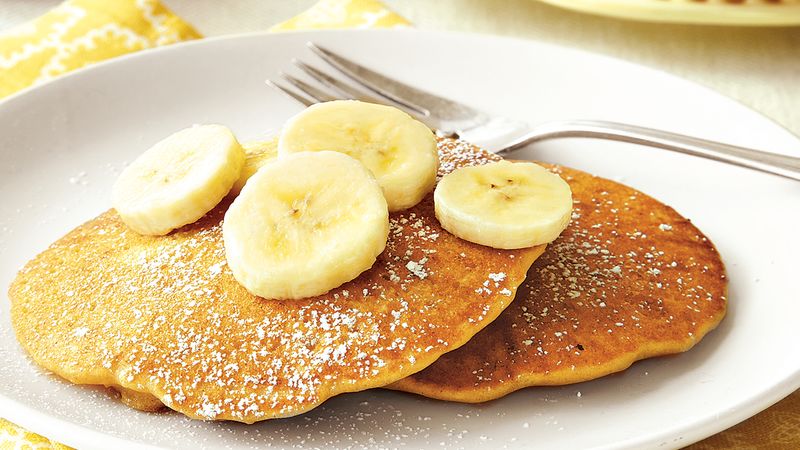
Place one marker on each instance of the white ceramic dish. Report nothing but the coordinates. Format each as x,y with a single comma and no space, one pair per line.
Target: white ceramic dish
63,143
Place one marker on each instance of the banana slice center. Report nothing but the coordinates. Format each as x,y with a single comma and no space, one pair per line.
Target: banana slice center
305,224
178,179
503,204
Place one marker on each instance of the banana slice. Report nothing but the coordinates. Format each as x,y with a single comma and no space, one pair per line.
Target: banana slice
257,154
399,150
305,224
503,204
178,179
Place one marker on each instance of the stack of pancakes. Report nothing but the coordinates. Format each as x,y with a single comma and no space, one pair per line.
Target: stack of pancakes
162,320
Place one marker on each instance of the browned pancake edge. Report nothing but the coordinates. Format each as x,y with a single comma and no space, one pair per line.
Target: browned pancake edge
630,278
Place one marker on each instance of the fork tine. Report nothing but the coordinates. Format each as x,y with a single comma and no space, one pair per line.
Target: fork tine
344,65
291,94
349,92
311,91
342,88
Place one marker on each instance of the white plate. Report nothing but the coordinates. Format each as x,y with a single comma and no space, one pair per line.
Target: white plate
62,145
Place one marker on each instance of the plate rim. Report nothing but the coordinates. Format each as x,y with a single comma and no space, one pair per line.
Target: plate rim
178,46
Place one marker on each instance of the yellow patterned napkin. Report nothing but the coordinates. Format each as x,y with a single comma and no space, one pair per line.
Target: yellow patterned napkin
13,437
335,14
80,32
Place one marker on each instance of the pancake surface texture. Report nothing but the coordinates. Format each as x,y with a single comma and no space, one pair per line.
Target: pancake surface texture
629,278
163,316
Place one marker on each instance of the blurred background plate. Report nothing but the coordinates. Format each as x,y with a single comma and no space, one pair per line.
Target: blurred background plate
710,12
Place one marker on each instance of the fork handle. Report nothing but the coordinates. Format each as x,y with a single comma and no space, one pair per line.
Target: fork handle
785,166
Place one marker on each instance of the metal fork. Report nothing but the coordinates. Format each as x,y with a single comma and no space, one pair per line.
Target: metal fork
502,135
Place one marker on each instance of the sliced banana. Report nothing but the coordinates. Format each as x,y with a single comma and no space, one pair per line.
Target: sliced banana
503,204
257,154
304,224
399,150
178,179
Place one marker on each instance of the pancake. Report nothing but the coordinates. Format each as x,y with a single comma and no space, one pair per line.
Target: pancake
163,320
629,278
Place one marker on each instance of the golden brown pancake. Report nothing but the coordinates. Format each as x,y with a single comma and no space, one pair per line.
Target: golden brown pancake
162,318
629,278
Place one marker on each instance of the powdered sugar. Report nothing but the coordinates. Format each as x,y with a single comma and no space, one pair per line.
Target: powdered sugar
165,315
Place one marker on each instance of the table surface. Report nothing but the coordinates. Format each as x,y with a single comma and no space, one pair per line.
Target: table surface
760,67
